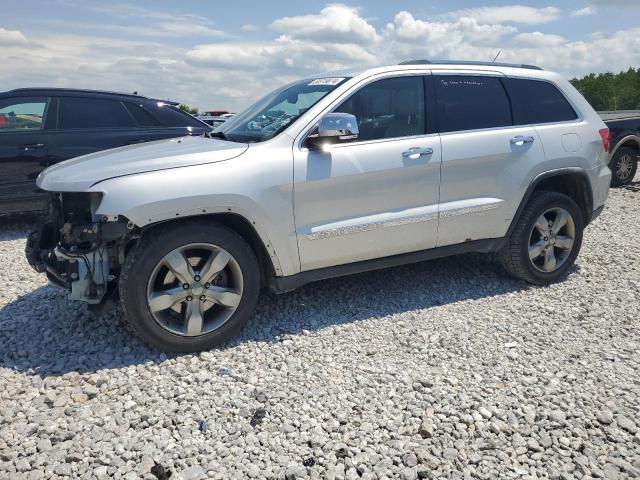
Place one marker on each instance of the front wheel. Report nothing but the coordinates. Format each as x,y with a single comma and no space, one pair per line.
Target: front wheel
190,286
623,166
546,239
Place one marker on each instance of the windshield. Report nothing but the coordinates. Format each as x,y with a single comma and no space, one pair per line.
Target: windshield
272,114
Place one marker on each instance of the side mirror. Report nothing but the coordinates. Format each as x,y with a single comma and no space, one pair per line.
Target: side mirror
334,128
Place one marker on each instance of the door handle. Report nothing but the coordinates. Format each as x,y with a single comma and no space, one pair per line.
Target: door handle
33,146
520,140
137,140
416,152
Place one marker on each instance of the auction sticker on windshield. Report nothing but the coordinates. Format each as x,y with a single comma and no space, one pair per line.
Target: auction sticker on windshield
326,81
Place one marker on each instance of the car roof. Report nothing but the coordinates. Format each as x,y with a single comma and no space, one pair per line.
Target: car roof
81,92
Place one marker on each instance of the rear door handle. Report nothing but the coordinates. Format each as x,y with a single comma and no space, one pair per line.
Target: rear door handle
136,140
416,152
33,146
520,140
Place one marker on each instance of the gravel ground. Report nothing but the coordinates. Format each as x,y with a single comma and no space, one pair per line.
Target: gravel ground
447,369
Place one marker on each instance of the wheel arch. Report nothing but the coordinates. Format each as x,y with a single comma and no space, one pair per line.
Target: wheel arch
572,182
248,230
631,141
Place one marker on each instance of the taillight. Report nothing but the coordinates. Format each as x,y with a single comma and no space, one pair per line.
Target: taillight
605,133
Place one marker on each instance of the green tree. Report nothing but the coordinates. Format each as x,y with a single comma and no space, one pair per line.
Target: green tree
609,91
186,108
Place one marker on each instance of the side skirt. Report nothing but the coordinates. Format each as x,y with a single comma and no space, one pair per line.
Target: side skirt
291,282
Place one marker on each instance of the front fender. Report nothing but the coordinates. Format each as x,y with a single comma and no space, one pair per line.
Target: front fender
263,198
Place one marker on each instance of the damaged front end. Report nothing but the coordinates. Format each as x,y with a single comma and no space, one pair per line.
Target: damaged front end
79,250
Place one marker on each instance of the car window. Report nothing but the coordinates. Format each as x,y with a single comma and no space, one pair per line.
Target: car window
536,101
142,117
23,113
389,108
467,102
171,116
85,112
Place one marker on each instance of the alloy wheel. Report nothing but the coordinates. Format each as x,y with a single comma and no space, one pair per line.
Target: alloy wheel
551,240
195,289
624,167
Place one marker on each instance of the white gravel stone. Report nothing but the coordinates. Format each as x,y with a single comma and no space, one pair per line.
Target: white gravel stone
448,369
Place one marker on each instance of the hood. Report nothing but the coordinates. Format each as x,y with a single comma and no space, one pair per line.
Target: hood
80,173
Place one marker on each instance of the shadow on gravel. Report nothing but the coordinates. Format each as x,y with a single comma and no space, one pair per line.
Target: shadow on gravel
632,187
45,334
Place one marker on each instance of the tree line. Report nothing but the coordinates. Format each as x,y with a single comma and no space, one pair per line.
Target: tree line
611,91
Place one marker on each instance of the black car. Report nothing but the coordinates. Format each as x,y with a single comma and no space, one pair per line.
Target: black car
624,144
43,126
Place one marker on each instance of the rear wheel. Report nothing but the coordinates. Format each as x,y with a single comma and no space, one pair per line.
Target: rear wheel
623,166
546,239
190,286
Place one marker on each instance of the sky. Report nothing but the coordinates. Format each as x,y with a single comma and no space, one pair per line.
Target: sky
226,54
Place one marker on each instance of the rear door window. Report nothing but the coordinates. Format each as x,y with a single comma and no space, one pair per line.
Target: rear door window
22,113
536,101
467,102
81,112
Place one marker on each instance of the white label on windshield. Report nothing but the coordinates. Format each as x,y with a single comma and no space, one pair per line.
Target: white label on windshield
326,81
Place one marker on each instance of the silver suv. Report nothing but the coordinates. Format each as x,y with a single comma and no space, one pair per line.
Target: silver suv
325,177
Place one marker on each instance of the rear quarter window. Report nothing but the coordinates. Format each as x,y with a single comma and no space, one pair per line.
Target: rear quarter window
171,116
537,101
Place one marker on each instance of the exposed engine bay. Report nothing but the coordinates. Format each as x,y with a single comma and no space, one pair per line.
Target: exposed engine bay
79,250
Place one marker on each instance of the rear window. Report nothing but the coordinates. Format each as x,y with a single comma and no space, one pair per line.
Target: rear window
81,112
171,116
467,102
536,101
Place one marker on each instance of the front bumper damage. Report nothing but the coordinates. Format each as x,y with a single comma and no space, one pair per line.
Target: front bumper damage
78,251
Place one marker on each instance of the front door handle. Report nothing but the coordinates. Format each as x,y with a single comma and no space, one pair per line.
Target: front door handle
521,140
33,146
416,152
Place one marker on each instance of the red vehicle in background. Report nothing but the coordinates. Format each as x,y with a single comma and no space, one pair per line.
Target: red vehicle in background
214,113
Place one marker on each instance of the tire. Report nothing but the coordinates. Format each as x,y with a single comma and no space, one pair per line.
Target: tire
623,166
146,265
526,236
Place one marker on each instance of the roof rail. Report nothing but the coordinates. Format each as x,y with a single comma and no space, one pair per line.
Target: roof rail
77,90
469,62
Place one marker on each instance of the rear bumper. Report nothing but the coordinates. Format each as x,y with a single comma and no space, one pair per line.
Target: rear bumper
601,181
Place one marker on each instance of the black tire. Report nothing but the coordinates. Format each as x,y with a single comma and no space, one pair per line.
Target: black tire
621,176
515,255
142,260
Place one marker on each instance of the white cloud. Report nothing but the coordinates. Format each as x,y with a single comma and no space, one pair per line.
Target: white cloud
445,35
10,38
335,23
510,14
231,73
538,39
151,23
582,12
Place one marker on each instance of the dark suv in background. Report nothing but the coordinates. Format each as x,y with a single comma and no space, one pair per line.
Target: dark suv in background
43,126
